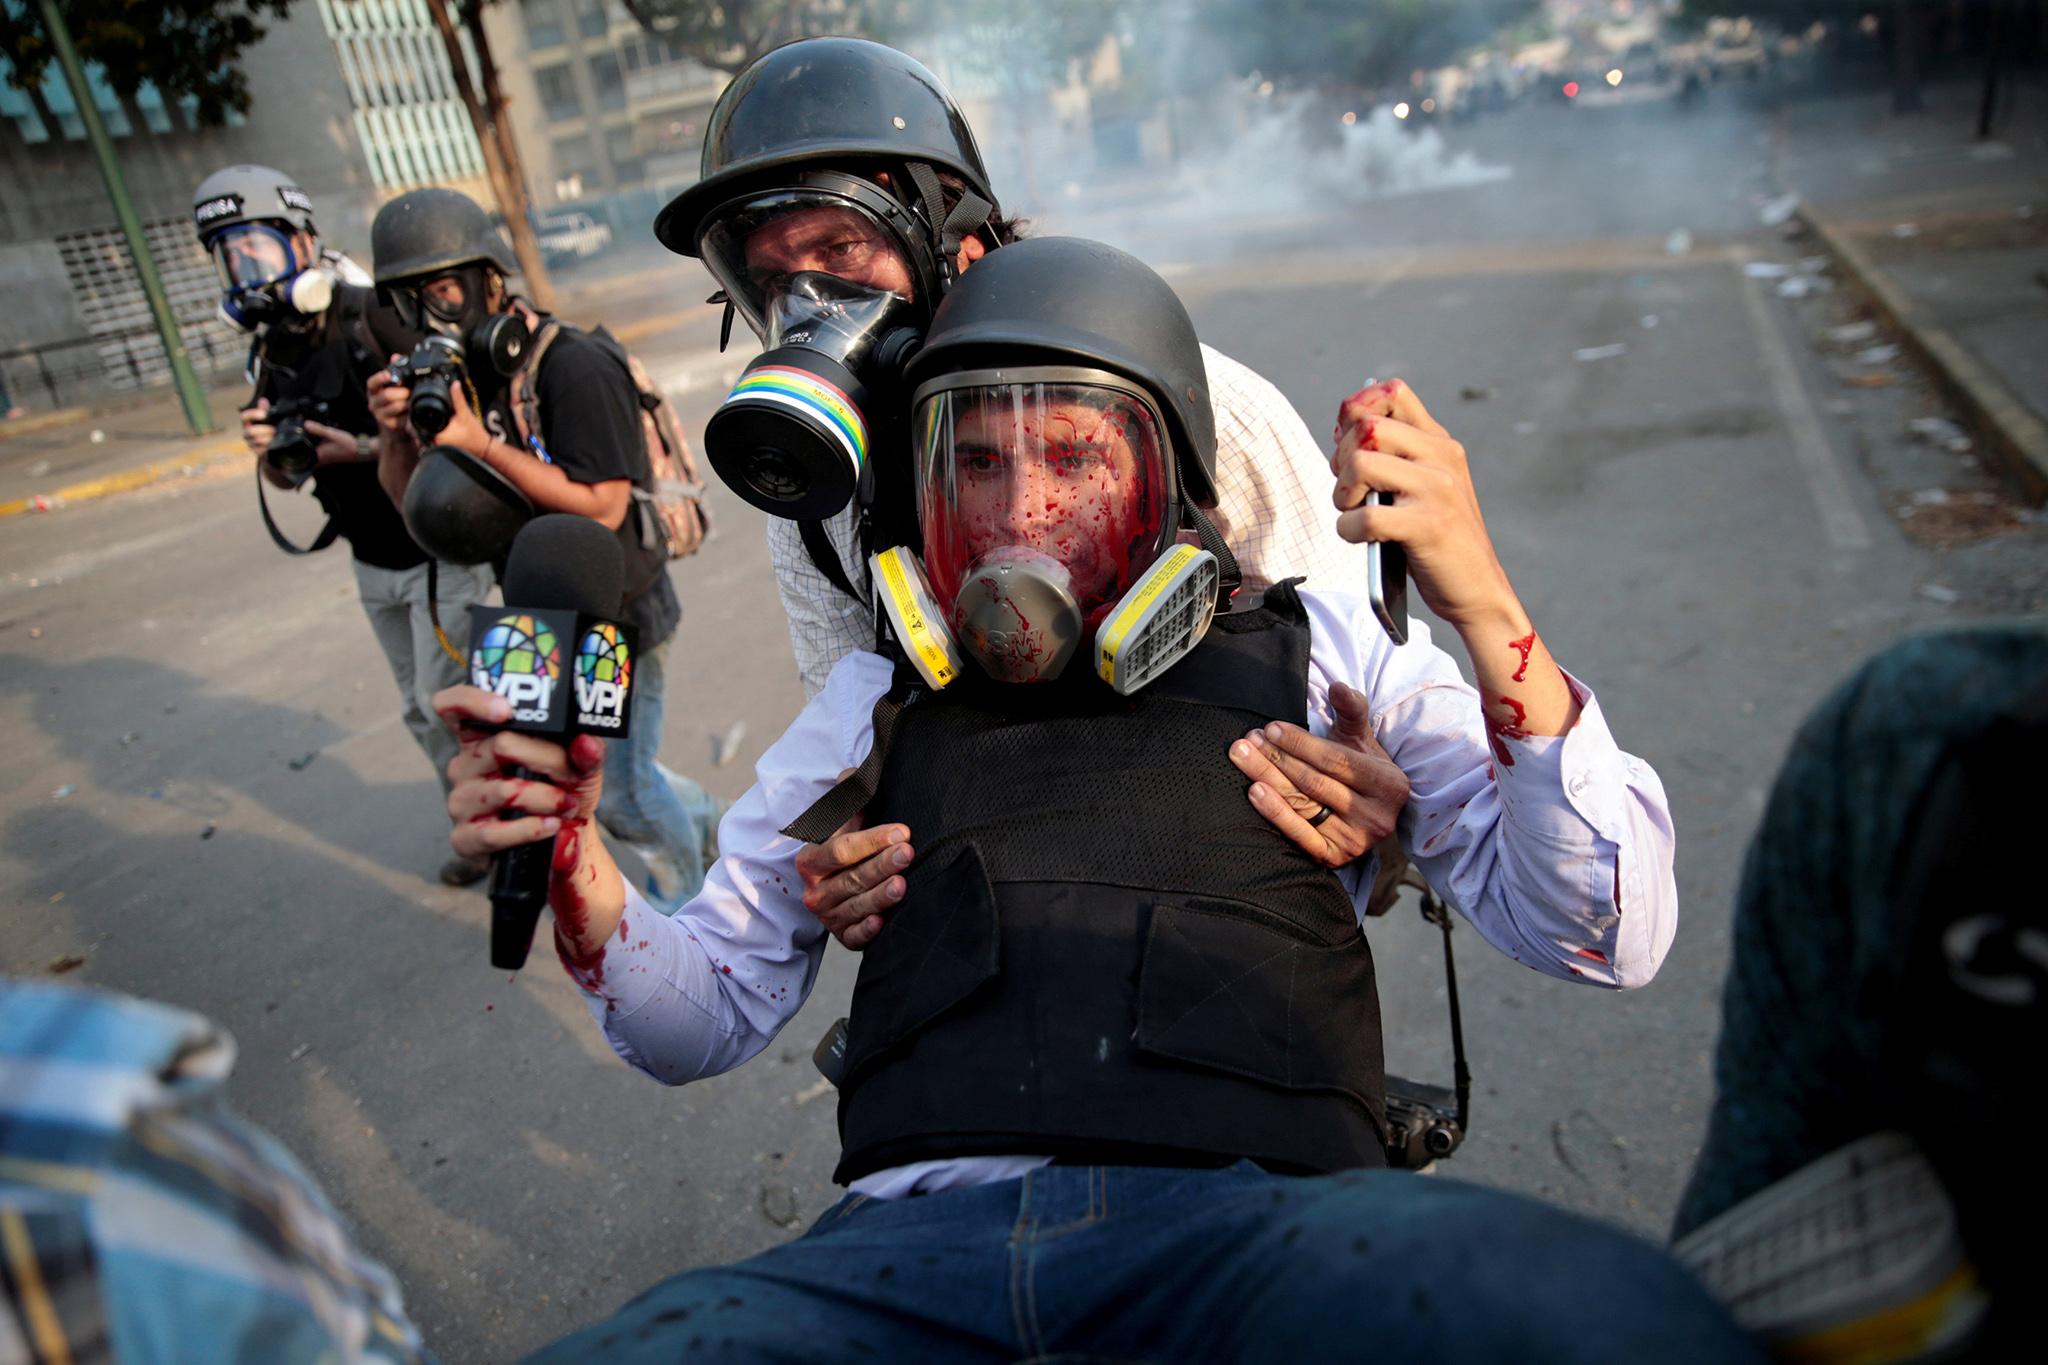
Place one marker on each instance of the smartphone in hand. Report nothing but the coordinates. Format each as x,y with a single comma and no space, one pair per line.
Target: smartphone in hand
1386,578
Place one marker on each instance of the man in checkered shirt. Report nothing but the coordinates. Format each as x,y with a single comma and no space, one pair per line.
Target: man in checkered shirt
844,158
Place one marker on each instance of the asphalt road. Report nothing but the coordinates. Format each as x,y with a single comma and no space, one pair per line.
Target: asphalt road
214,804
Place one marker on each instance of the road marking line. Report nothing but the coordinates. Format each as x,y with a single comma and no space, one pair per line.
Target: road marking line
1816,458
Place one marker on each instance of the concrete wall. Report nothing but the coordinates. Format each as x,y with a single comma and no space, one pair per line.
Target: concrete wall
298,121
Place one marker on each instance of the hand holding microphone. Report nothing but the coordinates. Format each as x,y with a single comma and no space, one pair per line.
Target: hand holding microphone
550,672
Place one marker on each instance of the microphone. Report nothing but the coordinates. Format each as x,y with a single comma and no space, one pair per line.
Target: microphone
556,651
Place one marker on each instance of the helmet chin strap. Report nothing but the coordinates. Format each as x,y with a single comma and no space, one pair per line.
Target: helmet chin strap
969,215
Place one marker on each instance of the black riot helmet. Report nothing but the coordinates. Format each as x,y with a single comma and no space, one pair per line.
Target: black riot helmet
462,511
1069,301
425,232
842,108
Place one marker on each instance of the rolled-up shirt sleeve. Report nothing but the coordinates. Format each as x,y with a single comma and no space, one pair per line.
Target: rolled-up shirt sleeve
1561,858
698,993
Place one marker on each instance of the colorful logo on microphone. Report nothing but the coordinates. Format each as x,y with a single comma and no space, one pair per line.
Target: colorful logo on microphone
519,659
604,677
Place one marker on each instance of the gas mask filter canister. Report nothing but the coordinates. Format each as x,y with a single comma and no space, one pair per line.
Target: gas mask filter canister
793,437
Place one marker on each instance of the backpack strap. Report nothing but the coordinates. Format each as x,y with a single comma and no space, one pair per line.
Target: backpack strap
523,395
818,545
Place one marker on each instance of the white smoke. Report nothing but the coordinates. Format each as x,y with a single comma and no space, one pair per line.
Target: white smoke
1280,161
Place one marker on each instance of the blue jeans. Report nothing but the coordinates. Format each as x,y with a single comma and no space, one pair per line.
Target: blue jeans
395,600
1139,1263
669,819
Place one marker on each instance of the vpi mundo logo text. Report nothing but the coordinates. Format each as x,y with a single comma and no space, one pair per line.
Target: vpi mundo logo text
519,659
604,677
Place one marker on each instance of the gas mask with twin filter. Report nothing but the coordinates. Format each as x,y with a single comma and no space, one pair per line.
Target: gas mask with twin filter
1049,513
837,279
263,281
465,338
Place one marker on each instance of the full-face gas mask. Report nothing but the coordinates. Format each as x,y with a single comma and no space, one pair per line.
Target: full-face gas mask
837,278
262,278
794,436
455,306
1048,507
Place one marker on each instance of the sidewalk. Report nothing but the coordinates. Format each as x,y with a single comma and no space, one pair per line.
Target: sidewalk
1948,235
44,465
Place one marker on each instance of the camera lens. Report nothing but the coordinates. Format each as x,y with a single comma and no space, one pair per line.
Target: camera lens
289,452
1439,1140
433,406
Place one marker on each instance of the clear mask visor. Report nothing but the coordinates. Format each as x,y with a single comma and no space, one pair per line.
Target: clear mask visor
440,304
828,314
250,256
1059,462
757,250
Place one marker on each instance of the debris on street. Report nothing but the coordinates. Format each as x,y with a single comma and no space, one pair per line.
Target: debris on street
1939,431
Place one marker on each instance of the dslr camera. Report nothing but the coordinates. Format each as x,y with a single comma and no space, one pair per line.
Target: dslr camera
432,371
291,452
1422,1123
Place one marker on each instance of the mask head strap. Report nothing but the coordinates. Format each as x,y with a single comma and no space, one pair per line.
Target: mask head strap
949,229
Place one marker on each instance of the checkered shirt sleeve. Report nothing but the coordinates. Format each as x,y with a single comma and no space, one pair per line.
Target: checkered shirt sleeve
1272,505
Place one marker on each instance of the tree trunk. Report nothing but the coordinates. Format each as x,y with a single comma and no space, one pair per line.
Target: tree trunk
1994,46
511,199
539,288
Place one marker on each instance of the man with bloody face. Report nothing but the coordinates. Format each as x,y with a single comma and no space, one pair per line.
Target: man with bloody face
1120,1042
836,159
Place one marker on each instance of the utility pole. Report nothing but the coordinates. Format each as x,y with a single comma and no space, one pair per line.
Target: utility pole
510,191
183,377
1994,50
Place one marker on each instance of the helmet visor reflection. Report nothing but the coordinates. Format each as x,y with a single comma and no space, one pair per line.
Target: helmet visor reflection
754,249
251,255
1068,463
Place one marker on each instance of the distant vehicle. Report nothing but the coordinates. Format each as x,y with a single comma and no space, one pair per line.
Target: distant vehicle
1612,86
571,236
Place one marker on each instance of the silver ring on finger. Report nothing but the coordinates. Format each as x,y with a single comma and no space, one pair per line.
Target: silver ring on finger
1321,815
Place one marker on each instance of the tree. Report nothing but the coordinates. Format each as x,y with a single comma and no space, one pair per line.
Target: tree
184,48
727,36
1348,43
502,164
1906,24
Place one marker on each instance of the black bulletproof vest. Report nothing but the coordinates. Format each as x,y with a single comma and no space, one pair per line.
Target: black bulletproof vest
1105,953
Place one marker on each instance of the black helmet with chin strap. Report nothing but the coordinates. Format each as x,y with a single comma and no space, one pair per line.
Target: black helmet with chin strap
423,232
1070,301
841,105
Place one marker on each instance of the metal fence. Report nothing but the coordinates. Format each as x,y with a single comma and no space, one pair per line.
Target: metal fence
84,370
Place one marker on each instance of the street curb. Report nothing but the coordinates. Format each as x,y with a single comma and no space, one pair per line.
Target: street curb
2017,437
43,421
223,451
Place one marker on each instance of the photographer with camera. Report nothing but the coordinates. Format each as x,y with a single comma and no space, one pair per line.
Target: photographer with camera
502,411
317,339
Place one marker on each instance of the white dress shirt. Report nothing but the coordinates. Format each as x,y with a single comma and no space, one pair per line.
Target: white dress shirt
1562,860
1273,508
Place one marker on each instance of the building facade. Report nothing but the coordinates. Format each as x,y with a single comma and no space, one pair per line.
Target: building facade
606,114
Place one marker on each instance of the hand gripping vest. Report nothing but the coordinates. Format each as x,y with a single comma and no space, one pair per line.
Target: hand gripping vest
1105,953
